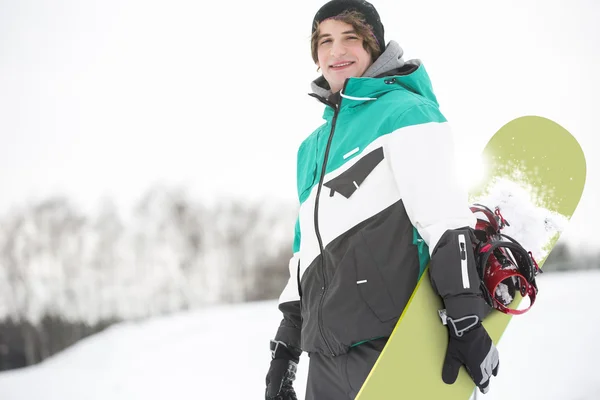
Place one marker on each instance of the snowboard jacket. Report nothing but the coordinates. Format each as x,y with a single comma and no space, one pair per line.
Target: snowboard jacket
378,193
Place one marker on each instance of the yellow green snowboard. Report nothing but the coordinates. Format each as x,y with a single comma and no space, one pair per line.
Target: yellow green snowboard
534,171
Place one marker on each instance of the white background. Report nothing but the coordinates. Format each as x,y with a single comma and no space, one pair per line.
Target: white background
106,98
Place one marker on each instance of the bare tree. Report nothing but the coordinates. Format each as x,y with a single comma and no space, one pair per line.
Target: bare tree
106,252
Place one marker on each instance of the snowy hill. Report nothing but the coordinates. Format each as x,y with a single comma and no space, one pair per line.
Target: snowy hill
222,352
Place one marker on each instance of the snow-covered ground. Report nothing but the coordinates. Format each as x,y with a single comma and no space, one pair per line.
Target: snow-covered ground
550,353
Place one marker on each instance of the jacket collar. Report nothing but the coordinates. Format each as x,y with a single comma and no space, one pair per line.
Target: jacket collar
390,60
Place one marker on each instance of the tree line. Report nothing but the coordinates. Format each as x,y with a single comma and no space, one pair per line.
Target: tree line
65,275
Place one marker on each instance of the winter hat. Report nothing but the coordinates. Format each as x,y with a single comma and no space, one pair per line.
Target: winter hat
336,7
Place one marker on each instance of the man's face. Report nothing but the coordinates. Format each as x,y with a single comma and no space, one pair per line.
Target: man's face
341,54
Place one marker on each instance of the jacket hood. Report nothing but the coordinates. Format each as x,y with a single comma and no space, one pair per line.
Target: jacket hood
410,75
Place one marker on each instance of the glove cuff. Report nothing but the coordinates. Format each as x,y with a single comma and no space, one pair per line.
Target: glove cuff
461,306
458,327
281,350
463,314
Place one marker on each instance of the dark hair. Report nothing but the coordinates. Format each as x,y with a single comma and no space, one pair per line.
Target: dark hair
363,30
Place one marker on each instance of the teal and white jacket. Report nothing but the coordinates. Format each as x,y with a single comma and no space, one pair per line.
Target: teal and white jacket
378,189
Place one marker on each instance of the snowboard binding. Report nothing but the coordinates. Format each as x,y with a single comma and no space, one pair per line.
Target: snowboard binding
504,266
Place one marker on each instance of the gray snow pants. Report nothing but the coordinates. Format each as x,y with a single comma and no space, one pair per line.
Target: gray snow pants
340,378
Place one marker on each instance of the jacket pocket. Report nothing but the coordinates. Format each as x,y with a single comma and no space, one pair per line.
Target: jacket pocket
350,180
371,285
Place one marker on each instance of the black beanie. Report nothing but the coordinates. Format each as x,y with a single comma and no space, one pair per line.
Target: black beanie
336,7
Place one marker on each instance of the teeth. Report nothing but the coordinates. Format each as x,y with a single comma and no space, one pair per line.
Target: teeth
342,65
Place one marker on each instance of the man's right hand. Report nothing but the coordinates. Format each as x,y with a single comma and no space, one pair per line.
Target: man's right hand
282,372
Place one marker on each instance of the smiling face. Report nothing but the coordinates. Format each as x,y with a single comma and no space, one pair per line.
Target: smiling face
341,53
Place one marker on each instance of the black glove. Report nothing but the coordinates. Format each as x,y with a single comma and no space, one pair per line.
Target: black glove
470,345
455,278
282,372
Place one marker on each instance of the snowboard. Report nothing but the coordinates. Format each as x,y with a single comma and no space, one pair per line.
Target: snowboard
534,171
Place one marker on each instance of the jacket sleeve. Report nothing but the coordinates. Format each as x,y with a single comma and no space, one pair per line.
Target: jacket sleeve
289,301
422,156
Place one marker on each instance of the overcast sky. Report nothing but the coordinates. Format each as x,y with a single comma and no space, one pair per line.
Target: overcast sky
105,98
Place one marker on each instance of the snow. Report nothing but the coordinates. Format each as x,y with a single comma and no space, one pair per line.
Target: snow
503,293
549,353
521,205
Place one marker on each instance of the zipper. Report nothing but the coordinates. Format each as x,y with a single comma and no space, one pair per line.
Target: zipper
463,261
298,282
316,221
